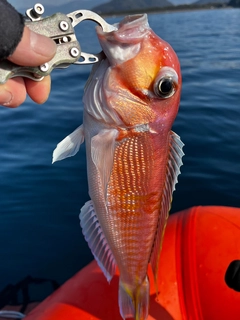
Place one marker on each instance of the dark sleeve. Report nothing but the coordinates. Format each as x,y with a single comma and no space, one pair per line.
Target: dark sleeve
11,29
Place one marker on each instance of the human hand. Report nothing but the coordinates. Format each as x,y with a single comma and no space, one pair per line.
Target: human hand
33,50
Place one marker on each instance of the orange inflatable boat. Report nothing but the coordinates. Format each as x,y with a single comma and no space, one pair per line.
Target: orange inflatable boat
199,245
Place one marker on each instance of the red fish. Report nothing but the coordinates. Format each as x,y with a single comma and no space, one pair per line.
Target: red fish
133,158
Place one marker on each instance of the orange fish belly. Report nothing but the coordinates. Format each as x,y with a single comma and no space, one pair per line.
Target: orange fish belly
134,200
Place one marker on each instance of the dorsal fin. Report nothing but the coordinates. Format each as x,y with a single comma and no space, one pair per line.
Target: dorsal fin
96,240
173,170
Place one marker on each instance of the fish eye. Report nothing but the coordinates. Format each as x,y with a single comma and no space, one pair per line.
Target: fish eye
165,83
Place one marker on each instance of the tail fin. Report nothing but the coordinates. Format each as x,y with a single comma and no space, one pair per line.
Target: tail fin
134,303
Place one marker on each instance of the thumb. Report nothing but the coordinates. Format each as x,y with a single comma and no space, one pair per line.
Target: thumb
33,49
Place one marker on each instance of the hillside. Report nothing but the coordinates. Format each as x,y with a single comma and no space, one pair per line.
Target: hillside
234,3
202,2
130,5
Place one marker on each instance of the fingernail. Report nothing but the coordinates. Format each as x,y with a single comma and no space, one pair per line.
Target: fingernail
42,45
6,98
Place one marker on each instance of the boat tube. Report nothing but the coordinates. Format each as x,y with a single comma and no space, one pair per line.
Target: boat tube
200,244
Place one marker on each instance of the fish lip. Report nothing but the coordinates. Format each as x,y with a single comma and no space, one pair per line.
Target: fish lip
124,43
131,19
131,29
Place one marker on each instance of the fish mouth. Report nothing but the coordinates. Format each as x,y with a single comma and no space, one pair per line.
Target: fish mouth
132,27
132,21
124,43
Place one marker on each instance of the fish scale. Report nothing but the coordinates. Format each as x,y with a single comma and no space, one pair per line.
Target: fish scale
131,203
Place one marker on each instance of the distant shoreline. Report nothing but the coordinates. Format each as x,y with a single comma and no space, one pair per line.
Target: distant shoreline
168,9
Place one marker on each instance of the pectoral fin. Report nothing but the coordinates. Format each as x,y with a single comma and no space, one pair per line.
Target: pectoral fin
102,152
173,170
69,146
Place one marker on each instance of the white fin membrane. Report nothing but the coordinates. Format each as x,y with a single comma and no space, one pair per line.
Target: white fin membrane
173,170
125,302
96,240
11,314
102,152
69,146
134,303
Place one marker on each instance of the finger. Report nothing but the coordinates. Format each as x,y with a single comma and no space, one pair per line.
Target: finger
38,91
13,93
33,49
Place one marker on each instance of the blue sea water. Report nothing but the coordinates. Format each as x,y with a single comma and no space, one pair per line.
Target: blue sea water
40,202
